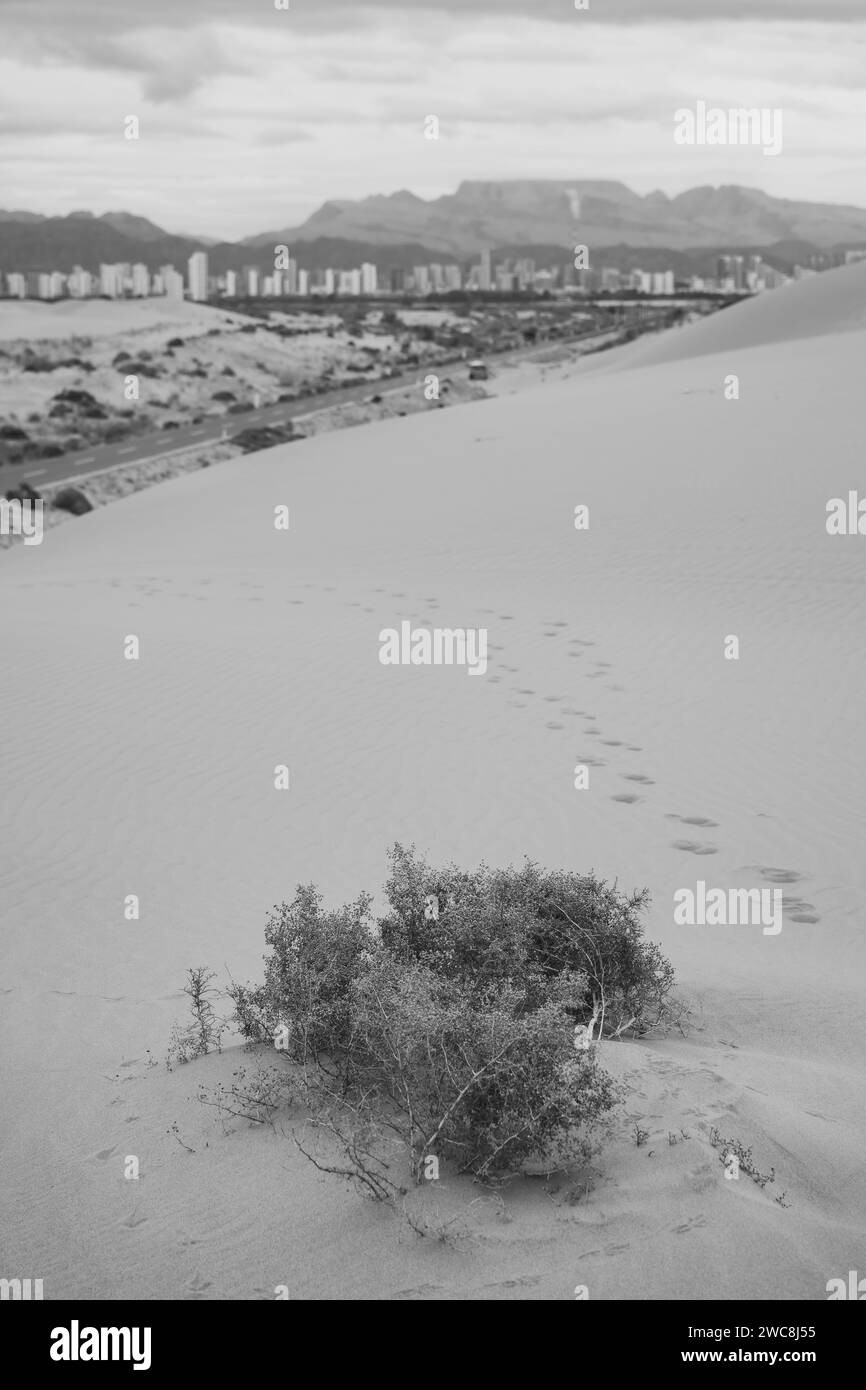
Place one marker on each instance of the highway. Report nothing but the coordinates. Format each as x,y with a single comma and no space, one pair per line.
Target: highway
211,429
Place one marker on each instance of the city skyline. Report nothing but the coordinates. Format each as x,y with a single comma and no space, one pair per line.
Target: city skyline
252,117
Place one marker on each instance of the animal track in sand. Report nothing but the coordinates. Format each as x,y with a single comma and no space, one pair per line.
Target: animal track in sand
551,725
526,692
550,634
628,797
781,875
703,821
591,762
693,847
420,1291
558,624
796,910
633,748
575,653
527,1281
694,1223
553,698
638,777
507,617
133,1221
613,742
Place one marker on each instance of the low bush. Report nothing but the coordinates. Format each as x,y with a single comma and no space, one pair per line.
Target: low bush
448,1025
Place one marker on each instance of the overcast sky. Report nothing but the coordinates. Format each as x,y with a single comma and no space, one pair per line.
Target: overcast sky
251,117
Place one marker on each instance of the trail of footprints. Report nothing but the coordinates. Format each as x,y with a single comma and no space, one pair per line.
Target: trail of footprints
796,909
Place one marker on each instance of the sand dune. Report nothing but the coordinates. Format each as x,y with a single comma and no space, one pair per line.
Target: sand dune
832,302
260,647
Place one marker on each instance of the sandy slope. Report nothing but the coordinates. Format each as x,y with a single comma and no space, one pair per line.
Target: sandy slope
707,518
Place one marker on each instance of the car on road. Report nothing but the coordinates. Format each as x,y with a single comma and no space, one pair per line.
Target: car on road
478,370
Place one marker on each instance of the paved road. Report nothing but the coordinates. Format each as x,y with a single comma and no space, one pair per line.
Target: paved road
45,472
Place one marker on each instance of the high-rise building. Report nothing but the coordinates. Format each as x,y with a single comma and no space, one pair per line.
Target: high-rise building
172,282
16,284
369,278
484,274
303,283
231,284
197,273
110,282
453,277
140,281
290,281
80,283
420,279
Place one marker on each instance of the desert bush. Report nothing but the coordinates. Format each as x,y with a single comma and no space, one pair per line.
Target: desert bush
481,1083
202,1034
527,927
316,956
72,499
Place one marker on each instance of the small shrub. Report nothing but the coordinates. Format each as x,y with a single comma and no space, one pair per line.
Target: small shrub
203,1033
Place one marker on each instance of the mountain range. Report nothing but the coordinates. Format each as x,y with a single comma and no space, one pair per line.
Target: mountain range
535,216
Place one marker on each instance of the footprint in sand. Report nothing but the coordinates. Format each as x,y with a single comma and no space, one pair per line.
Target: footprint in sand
703,821
105,1154
796,910
566,709
550,634
633,748
507,617
198,1285
528,1281
551,725
422,1291
575,653
553,698
628,797
781,875
694,1223
693,847
638,777
591,762
612,742
133,1221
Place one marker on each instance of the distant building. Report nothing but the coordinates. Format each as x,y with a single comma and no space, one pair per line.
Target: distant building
484,275
369,278
110,282
16,285
303,283
197,275
140,281
172,282
231,289
80,283
251,281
